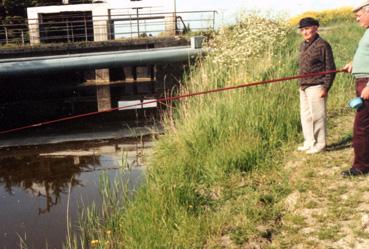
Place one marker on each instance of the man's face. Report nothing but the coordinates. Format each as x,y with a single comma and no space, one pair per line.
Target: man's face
362,17
308,33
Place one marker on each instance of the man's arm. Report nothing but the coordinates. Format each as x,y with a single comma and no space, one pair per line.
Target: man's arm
329,65
365,91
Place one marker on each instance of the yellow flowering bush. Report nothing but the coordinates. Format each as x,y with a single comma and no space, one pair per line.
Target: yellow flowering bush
251,37
326,16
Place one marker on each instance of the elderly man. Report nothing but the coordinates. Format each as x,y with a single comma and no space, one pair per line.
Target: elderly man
315,56
359,68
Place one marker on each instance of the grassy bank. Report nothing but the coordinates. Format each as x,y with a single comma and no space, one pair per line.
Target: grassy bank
216,178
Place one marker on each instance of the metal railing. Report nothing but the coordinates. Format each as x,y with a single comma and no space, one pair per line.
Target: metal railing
85,27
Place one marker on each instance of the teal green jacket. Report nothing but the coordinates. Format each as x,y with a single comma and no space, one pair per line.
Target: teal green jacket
360,64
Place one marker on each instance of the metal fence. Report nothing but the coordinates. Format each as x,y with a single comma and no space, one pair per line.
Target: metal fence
82,26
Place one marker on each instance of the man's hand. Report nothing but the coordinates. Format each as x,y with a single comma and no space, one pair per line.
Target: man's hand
365,93
323,93
348,67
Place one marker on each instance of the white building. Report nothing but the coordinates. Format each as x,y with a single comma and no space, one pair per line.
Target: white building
100,21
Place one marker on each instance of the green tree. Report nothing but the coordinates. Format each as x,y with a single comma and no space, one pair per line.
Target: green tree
16,7
2,11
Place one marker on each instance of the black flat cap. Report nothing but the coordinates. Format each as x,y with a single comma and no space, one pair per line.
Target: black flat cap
307,22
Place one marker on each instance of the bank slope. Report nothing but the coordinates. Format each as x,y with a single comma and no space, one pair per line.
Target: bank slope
217,177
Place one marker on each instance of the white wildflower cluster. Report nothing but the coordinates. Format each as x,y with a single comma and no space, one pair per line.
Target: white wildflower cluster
252,37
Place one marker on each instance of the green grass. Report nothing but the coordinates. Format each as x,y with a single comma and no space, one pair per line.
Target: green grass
329,233
216,178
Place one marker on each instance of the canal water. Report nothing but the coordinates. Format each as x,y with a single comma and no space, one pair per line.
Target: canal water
44,166
36,182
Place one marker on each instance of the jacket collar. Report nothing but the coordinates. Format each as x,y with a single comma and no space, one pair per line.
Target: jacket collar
307,44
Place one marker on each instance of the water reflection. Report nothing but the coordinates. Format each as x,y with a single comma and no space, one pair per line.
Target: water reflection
43,177
34,187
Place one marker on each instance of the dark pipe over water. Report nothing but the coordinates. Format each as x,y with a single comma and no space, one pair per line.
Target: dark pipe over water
36,65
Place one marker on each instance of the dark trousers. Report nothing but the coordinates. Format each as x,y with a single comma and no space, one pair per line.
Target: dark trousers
361,130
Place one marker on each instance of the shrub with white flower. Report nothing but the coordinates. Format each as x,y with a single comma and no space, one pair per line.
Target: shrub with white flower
251,37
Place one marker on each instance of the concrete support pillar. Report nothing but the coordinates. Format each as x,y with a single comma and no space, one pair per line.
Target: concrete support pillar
102,77
170,25
103,89
34,32
101,29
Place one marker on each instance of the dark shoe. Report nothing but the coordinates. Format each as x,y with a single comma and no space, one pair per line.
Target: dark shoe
353,172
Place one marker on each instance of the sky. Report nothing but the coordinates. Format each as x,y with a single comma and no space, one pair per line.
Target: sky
292,6
228,9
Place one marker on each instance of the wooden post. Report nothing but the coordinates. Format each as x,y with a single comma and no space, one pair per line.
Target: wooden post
138,23
67,31
22,35
72,32
85,23
6,35
130,24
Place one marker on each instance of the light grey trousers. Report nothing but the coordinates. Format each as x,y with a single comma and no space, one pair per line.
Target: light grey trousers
313,113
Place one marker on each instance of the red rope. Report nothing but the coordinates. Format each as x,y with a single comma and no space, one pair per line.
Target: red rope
173,98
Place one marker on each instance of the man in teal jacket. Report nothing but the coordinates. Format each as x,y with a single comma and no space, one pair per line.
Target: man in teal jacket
359,68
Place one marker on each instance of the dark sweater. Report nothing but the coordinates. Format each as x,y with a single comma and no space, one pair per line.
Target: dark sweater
316,56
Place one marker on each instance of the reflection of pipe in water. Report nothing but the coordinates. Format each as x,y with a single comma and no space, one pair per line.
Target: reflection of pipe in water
47,174
108,149
132,154
67,153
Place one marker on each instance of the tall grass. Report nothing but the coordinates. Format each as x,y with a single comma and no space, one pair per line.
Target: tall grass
215,179
215,137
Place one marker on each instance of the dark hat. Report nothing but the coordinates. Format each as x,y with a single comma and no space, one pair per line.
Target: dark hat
307,22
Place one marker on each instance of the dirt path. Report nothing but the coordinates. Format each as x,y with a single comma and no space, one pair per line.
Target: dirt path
325,210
